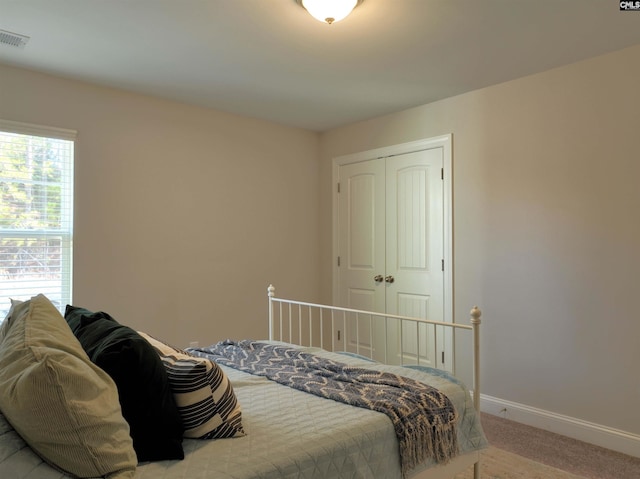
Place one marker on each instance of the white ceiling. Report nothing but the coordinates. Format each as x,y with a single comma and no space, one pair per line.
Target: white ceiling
269,59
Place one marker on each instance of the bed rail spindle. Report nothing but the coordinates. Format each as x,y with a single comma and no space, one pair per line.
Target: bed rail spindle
344,330
475,323
371,336
280,333
357,333
333,331
271,291
386,340
310,327
453,351
321,329
299,325
290,324
418,343
401,342
435,346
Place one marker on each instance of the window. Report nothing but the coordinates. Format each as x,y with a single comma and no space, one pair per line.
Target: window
36,213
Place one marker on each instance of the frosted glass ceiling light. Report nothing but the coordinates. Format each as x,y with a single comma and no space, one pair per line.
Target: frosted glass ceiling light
329,11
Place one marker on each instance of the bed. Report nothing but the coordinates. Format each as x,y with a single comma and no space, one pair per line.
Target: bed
287,432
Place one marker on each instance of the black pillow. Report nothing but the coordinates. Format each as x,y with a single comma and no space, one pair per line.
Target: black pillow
146,399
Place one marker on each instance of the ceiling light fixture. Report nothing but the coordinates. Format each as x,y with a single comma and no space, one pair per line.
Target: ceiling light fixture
329,11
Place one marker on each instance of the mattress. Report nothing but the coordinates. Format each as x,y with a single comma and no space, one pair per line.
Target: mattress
290,434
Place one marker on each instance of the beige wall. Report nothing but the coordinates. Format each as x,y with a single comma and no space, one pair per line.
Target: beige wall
546,198
179,211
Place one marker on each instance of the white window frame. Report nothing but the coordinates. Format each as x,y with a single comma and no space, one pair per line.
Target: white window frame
65,232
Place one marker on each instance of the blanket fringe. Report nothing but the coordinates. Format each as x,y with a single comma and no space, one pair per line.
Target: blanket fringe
423,441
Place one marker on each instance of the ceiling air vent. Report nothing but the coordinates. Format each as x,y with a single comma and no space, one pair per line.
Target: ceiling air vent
13,39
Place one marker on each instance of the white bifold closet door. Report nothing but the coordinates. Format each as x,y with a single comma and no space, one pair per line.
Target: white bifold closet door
391,249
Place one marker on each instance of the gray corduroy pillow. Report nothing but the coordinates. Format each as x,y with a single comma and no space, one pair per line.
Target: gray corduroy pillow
63,406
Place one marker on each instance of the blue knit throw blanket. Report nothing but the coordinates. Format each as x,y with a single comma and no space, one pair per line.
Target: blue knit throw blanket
424,419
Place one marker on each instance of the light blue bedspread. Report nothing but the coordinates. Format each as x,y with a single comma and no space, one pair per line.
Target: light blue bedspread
290,434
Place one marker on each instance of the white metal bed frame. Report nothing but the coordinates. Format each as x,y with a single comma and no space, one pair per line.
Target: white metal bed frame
287,315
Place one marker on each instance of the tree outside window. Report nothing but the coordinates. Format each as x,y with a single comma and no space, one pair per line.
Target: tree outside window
36,198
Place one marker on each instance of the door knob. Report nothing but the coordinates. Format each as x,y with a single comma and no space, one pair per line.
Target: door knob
378,278
389,279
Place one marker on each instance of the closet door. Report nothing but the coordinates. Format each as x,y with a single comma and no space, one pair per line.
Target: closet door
414,278
391,251
362,244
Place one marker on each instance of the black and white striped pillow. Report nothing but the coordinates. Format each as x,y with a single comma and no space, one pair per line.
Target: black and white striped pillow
202,392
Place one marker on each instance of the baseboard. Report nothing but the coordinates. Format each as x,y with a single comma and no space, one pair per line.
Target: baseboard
614,439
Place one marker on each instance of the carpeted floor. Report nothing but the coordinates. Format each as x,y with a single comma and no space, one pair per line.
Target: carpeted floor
558,453
500,464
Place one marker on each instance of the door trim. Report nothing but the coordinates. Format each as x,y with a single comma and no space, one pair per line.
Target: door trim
444,142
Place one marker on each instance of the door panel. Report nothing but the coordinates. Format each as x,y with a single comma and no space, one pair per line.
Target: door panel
362,225
361,326
411,219
415,342
361,190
